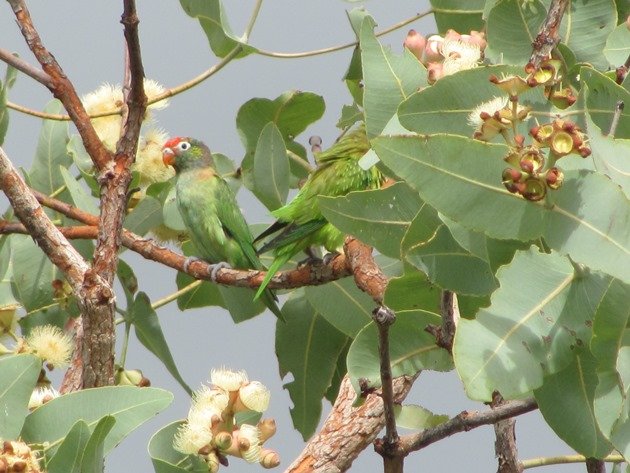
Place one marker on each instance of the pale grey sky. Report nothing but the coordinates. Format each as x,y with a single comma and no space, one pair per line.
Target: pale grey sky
86,38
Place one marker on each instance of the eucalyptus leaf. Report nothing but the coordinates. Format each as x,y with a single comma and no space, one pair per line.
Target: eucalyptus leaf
410,416
213,20
9,80
166,459
617,47
411,349
308,347
542,310
51,152
271,168
18,375
129,405
149,332
512,26
389,79
379,218
587,212
458,15
342,304
566,402
144,216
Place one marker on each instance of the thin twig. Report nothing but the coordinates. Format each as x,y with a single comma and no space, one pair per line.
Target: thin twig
563,459
340,47
549,34
615,119
23,66
463,422
445,334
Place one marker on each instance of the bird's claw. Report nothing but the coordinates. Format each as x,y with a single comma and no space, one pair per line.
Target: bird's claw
214,268
189,260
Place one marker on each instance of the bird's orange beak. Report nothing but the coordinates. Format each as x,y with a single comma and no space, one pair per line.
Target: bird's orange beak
168,156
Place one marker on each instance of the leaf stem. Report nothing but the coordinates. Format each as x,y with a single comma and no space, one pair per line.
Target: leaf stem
171,297
298,160
340,47
252,21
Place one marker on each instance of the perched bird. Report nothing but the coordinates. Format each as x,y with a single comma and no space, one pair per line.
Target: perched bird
300,223
210,212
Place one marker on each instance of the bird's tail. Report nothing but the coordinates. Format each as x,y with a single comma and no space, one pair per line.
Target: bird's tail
270,299
275,266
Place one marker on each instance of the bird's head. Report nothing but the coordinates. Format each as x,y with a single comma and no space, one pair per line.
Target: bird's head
186,153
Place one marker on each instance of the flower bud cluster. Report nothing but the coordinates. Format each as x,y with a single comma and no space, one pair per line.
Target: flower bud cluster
211,429
16,456
125,377
448,54
531,172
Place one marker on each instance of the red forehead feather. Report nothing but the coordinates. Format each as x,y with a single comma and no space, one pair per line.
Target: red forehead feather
173,142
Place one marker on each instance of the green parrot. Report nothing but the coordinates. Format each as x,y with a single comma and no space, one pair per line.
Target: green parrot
300,223
210,212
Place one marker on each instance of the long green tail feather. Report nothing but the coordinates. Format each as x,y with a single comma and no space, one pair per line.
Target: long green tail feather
269,299
273,269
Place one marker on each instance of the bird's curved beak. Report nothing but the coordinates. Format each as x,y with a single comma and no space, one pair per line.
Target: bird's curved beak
168,156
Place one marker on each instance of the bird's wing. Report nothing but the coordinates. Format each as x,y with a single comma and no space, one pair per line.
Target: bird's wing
273,228
234,223
293,233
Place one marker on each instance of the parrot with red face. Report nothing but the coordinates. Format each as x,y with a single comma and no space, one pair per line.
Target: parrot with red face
210,212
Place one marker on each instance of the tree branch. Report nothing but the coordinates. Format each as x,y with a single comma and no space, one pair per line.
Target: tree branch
505,441
305,275
445,334
465,421
548,36
60,86
347,431
367,274
35,221
23,66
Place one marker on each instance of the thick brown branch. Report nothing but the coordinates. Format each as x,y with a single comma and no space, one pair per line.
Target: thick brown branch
302,276
367,274
463,422
61,86
23,66
84,232
36,222
549,35
347,431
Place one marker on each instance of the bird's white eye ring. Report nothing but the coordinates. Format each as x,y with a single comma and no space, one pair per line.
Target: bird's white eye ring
184,145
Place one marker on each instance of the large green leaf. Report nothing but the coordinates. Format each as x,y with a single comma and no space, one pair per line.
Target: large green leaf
566,402
589,211
445,106
9,80
541,312
7,299
205,294
379,217
609,155
166,459
412,293
342,304
512,26
585,29
33,276
150,334
213,21
601,97
80,198
411,349
82,449
415,417
617,47
388,78
271,168
308,347
145,216
51,153
462,16
610,339
18,375
129,405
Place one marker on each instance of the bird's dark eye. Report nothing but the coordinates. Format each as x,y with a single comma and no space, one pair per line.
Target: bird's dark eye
184,145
